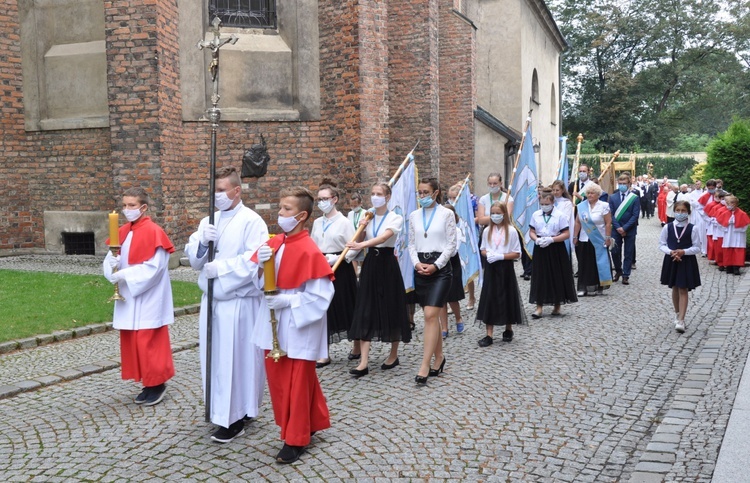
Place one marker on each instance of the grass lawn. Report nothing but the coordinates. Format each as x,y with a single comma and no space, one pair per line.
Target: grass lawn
35,303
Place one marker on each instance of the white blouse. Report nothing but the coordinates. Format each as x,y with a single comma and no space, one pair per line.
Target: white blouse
597,213
393,221
488,199
556,224
441,234
332,234
511,245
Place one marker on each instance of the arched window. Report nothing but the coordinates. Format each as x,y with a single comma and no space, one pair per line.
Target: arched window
535,88
259,14
553,106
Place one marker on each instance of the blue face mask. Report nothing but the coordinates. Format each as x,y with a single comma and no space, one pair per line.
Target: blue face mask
712,190
426,202
622,187
680,216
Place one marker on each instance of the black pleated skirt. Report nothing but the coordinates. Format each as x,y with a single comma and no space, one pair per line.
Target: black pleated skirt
684,274
456,292
500,301
380,311
432,290
552,276
341,311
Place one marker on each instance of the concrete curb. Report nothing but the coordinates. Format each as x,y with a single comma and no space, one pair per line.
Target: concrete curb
75,333
661,453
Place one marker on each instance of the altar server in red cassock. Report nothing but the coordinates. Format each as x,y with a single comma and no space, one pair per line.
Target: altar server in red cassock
305,289
142,272
735,222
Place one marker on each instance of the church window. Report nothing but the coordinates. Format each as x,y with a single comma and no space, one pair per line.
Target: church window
244,13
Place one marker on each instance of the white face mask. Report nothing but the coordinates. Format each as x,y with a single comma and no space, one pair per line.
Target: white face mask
132,215
494,190
325,206
497,218
287,223
377,201
547,208
583,176
222,201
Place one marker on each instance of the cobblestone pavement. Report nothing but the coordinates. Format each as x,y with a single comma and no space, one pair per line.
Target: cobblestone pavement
584,397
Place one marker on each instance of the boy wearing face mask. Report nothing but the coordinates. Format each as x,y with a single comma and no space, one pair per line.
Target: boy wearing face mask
305,290
142,272
734,221
625,206
237,370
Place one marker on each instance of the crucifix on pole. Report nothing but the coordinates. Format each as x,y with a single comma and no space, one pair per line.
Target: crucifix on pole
214,116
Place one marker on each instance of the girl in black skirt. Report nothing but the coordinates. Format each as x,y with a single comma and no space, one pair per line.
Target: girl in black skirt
456,292
380,312
680,243
500,301
551,273
432,240
331,232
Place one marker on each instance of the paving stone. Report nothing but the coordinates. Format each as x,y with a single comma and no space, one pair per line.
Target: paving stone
6,347
27,343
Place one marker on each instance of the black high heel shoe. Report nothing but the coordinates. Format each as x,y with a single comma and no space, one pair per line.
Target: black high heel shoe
435,372
359,372
421,380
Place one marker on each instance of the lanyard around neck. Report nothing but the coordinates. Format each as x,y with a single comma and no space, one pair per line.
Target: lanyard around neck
426,224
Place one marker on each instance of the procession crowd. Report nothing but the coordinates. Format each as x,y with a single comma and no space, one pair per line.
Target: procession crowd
342,280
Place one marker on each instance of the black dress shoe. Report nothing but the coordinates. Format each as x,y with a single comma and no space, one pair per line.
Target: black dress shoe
320,364
436,372
353,357
359,372
393,364
626,280
485,341
534,315
617,276
421,380
507,335
289,454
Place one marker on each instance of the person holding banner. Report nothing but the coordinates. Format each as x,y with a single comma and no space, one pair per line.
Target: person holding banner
380,311
237,373
496,193
331,232
500,301
552,273
592,238
143,317
625,205
432,241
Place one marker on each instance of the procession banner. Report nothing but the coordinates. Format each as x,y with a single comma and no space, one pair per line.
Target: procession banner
468,250
403,202
524,190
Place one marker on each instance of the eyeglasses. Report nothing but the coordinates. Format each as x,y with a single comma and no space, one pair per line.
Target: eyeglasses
425,193
325,199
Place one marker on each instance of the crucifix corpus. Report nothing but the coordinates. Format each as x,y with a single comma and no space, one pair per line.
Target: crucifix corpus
214,116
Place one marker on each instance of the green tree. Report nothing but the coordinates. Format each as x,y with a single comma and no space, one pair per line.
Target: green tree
729,159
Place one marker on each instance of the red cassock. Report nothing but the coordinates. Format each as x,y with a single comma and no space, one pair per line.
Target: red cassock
661,204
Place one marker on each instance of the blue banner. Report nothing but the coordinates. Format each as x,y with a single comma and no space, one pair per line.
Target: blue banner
468,250
403,201
563,170
524,190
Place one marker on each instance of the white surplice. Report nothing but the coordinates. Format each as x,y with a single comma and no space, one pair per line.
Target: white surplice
237,369
303,327
146,289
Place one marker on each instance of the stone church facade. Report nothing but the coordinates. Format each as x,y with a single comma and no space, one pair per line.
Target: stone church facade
99,96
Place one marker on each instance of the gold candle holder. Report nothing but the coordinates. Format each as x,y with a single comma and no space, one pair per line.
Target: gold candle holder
115,296
269,288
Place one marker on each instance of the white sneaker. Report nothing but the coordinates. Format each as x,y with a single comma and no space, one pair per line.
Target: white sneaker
679,326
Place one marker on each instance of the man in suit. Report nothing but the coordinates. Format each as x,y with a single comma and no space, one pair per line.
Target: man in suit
625,207
653,193
577,185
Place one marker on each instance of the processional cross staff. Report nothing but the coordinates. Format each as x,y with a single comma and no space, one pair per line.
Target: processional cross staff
214,116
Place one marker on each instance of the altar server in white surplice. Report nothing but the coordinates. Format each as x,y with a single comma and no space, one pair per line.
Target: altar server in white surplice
237,369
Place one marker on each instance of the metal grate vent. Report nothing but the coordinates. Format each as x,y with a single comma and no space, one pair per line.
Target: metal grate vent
79,243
